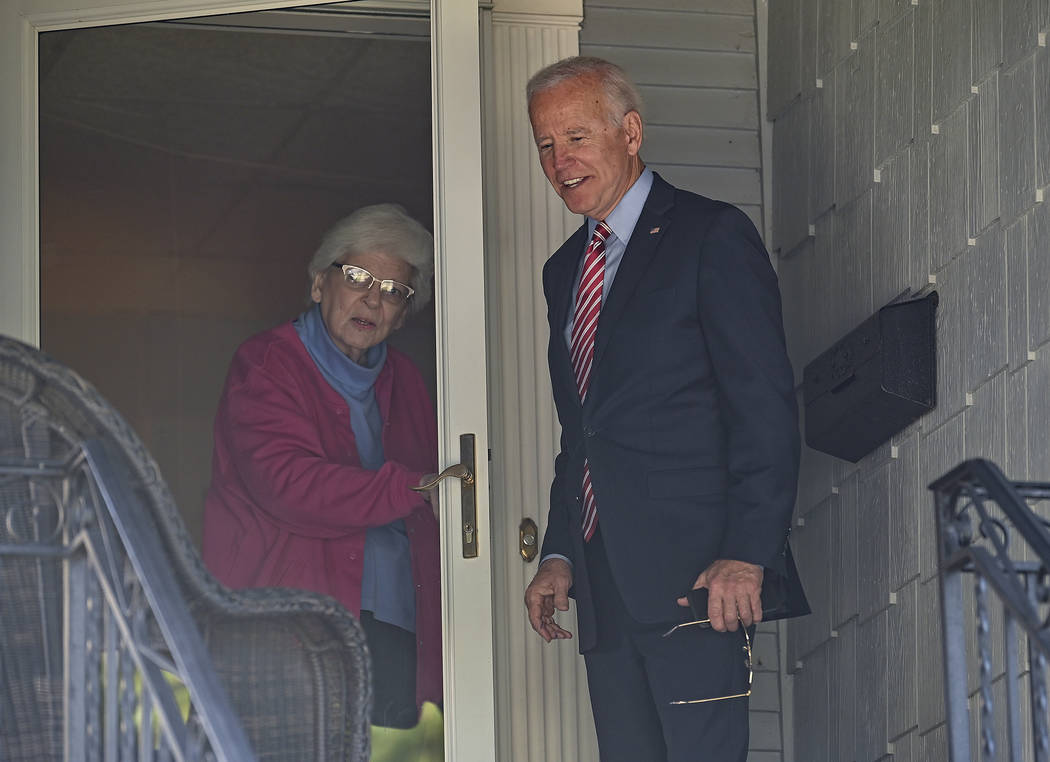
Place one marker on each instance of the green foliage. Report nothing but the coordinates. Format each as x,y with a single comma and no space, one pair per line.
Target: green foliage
423,743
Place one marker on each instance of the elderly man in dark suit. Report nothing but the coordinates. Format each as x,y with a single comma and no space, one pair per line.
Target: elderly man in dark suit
679,448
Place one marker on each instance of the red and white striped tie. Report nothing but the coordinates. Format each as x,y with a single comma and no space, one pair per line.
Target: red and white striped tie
584,325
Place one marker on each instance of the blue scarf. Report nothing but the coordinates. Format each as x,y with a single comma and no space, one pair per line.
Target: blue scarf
355,383
387,589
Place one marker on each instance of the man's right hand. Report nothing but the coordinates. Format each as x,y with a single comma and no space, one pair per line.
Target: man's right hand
549,591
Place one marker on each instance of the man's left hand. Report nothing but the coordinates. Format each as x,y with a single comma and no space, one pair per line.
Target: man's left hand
734,589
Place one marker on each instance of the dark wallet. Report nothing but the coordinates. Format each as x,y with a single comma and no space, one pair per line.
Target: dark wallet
782,595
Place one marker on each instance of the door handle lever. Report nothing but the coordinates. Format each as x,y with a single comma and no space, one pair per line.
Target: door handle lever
464,471
458,470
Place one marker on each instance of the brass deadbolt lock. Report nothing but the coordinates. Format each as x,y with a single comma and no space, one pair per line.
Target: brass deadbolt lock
528,540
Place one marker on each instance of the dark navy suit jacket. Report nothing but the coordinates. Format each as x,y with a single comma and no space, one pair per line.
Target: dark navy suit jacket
690,422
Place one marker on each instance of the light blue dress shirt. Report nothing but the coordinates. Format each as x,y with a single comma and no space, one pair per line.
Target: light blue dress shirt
621,221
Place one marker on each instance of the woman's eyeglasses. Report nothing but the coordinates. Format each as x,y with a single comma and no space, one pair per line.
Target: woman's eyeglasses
747,662
392,292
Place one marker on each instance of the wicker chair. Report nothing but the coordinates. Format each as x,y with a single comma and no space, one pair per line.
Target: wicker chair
294,664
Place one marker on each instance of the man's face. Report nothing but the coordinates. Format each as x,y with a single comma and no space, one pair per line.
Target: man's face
590,162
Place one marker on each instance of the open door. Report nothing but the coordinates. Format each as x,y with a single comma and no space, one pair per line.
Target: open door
459,294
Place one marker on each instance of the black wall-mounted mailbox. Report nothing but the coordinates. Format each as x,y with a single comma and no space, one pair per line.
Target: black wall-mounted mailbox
874,381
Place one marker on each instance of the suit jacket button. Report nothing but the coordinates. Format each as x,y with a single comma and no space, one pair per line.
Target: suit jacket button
588,431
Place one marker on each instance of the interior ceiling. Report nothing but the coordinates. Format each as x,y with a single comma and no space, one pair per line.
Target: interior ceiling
300,97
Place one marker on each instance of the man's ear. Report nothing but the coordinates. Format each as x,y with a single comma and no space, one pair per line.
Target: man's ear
632,130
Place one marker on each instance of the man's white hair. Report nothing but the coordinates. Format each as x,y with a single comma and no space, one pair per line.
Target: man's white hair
621,96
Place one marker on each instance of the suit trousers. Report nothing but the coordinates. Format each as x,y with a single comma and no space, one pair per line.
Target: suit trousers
633,673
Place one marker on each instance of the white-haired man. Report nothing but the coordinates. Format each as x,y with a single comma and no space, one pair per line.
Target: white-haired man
679,451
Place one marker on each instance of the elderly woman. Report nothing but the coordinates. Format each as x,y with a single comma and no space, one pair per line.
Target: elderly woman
321,433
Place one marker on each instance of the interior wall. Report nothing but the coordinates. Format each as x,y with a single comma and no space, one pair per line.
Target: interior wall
187,176
695,64
911,147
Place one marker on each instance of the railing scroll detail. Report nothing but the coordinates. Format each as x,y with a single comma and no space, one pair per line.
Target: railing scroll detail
990,528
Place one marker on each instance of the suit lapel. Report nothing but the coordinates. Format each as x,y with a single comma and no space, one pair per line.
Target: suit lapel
652,224
563,273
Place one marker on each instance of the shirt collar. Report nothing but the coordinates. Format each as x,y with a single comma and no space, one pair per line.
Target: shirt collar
624,217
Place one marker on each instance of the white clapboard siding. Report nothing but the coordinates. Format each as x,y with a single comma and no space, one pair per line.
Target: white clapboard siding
701,146
674,29
701,107
652,66
695,64
738,7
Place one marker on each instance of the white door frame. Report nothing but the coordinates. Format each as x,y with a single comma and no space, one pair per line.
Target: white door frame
459,294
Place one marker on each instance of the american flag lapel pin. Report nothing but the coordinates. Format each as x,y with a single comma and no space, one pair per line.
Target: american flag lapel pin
655,230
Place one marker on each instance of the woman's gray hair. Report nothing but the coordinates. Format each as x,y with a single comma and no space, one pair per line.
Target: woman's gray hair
621,95
385,228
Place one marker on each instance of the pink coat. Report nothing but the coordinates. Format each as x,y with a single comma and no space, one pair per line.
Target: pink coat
289,502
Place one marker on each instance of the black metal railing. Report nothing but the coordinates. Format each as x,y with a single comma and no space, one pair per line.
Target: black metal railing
988,528
100,657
